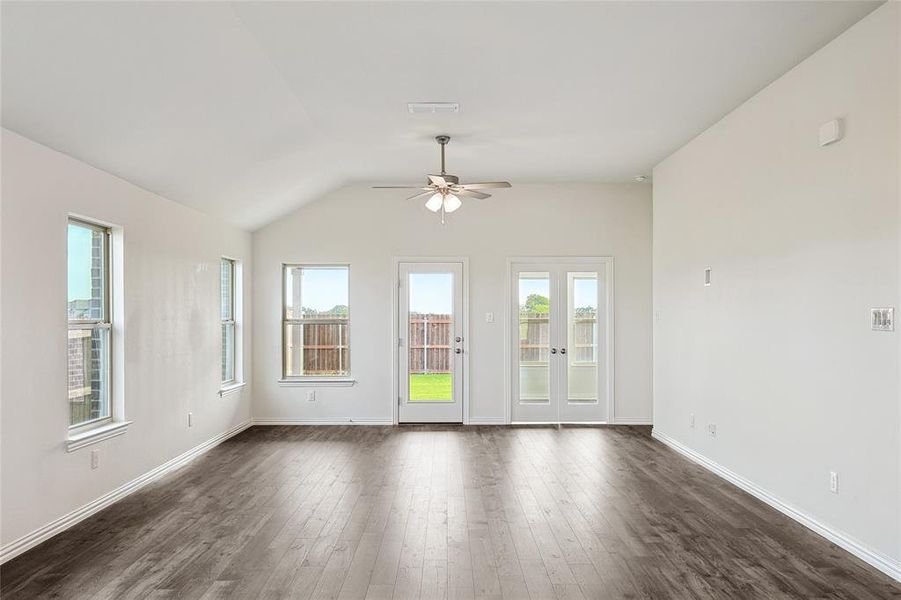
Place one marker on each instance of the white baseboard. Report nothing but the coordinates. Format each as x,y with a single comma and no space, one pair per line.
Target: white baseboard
627,421
30,540
355,421
348,421
886,564
503,421
487,421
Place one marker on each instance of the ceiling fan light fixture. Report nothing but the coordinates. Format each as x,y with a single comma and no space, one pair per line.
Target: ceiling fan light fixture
434,203
444,190
451,203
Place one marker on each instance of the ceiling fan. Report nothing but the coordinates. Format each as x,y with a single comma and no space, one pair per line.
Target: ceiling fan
444,191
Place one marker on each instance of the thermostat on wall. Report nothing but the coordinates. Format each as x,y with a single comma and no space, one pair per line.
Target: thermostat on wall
883,319
830,132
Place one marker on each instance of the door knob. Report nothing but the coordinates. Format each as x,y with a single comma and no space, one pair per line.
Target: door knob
458,351
553,351
458,339
562,350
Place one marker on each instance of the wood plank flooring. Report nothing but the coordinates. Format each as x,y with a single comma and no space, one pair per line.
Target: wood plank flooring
440,512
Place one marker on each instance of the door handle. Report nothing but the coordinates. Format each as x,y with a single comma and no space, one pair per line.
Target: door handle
553,351
562,350
458,351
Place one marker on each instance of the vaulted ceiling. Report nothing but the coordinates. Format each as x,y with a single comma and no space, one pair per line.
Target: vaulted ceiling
248,110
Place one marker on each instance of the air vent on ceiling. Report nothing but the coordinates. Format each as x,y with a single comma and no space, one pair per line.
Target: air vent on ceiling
433,108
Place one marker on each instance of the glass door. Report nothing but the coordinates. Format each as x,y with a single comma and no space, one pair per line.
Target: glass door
534,329
560,342
430,343
583,348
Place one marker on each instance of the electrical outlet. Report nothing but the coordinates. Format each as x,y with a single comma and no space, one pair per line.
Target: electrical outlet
190,419
833,482
691,420
311,396
95,459
489,317
711,429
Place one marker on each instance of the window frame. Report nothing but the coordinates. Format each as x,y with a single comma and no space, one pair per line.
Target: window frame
232,321
344,379
104,323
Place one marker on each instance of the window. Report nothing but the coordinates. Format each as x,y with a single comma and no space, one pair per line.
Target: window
227,312
89,324
583,318
315,319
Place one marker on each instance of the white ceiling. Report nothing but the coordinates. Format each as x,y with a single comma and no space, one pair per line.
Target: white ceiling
248,110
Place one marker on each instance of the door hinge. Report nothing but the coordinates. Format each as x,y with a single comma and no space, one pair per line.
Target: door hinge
400,342
399,401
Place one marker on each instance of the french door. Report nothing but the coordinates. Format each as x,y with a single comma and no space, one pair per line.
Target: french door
561,341
430,342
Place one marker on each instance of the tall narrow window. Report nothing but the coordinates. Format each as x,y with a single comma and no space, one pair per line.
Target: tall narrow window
227,310
315,319
89,324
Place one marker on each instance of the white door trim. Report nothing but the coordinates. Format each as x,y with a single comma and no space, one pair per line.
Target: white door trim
395,327
508,316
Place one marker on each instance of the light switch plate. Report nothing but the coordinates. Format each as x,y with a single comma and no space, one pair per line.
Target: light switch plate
831,132
882,319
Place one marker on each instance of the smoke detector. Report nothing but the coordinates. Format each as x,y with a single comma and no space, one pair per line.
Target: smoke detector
433,108
640,178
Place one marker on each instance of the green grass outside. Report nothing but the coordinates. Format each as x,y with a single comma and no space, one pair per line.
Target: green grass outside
430,386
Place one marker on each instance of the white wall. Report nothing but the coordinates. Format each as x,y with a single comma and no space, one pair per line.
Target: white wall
367,228
802,241
898,100
171,329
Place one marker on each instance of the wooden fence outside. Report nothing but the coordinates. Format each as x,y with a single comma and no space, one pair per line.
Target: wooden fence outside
534,337
431,340
431,344
323,350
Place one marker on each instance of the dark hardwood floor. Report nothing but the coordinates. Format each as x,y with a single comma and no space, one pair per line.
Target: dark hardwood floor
435,512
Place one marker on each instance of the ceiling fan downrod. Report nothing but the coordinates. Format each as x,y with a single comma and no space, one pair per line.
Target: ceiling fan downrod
442,140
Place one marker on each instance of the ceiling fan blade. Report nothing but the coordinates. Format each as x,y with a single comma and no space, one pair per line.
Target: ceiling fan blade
422,195
438,180
470,194
398,187
485,185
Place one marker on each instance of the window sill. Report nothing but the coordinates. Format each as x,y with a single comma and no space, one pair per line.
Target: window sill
98,434
318,382
231,389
